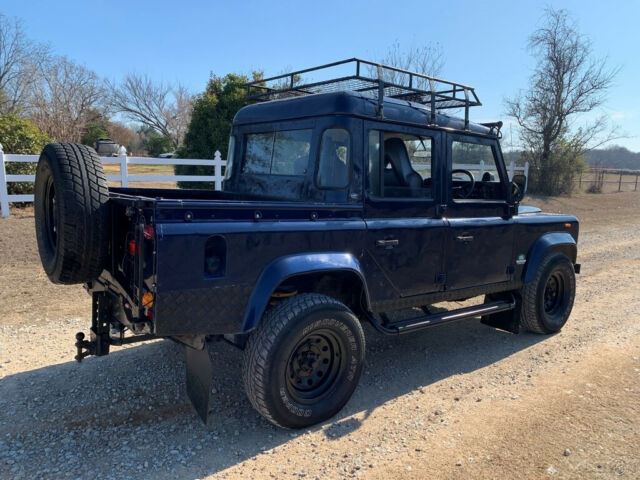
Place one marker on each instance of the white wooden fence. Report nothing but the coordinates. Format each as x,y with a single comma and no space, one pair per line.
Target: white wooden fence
124,177
482,168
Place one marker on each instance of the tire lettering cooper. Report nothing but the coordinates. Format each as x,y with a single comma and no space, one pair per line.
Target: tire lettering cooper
301,412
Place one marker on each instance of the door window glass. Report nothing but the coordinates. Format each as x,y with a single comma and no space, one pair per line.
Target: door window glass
474,172
402,168
333,164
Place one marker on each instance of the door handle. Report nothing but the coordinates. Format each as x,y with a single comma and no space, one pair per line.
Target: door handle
387,243
464,238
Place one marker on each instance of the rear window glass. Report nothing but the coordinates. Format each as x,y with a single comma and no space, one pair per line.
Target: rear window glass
278,153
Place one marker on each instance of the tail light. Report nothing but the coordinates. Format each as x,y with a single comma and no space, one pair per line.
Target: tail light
132,247
147,300
149,232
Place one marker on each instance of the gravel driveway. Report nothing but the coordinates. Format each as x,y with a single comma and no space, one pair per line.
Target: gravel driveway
456,401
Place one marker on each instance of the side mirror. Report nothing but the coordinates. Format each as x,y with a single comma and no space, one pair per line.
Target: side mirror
518,187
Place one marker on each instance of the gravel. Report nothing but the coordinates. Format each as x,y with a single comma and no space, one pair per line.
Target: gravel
127,415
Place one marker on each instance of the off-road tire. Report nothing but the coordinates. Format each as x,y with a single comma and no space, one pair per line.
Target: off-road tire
534,317
274,350
71,213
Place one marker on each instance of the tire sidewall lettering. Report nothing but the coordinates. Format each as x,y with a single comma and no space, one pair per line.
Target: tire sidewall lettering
351,355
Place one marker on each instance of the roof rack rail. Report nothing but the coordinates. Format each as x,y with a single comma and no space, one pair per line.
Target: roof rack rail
359,75
494,128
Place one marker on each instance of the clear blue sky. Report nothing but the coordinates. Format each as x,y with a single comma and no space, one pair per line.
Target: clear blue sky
483,42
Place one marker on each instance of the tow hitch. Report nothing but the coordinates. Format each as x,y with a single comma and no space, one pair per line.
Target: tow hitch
100,337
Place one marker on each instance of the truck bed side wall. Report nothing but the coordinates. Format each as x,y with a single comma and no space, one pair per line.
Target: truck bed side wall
188,300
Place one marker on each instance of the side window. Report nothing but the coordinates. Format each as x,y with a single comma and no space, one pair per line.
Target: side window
402,167
334,161
477,161
278,153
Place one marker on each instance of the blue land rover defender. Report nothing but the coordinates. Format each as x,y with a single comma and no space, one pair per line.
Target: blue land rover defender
347,199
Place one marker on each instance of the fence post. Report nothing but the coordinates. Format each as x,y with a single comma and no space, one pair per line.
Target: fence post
4,193
217,170
636,187
580,182
124,167
620,183
526,175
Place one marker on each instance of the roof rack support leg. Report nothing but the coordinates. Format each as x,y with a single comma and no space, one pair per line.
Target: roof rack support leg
466,109
380,92
432,87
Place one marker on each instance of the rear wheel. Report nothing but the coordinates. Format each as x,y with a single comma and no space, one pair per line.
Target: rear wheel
70,203
304,361
548,299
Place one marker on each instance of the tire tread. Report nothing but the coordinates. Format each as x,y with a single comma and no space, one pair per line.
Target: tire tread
260,343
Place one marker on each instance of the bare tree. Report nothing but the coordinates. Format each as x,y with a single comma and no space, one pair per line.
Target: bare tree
162,107
20,62
427,59
567,81
64,99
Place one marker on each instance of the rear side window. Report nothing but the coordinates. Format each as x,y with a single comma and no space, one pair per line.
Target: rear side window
334,161
278,153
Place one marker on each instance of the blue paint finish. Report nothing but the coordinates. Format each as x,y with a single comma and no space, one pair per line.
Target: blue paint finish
545,219
356,104
522,209
555,241
212,228
283,268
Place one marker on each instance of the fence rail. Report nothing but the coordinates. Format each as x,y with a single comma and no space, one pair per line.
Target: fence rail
596,176
124,177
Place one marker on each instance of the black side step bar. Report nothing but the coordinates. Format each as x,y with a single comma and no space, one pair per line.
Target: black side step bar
419,323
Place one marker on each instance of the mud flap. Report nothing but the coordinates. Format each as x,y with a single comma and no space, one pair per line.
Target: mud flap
508,320
199,379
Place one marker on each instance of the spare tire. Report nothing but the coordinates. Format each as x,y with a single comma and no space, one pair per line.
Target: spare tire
72,217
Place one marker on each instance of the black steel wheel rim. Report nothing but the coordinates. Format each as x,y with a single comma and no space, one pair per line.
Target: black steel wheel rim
51,214
314,366
553,294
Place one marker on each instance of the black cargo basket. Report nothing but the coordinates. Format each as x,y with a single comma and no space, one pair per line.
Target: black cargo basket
357,75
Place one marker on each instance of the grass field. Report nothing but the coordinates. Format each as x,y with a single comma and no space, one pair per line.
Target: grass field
114,169
612,183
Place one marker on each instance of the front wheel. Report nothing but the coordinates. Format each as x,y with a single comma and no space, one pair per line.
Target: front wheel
548,299
304,361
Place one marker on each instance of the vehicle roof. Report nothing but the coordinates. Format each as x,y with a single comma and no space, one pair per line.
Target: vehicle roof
350,103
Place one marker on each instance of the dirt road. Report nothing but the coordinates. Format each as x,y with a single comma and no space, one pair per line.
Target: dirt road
457,401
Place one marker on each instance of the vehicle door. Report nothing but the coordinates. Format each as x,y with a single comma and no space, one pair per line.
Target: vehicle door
405,236
480,236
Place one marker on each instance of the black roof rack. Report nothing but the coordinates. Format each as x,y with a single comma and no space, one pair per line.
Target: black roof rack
359,75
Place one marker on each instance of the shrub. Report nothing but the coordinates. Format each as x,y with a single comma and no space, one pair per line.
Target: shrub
20,136
157,144
210,126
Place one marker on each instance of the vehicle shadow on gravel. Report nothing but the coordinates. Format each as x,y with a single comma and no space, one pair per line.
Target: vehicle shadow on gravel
128,414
